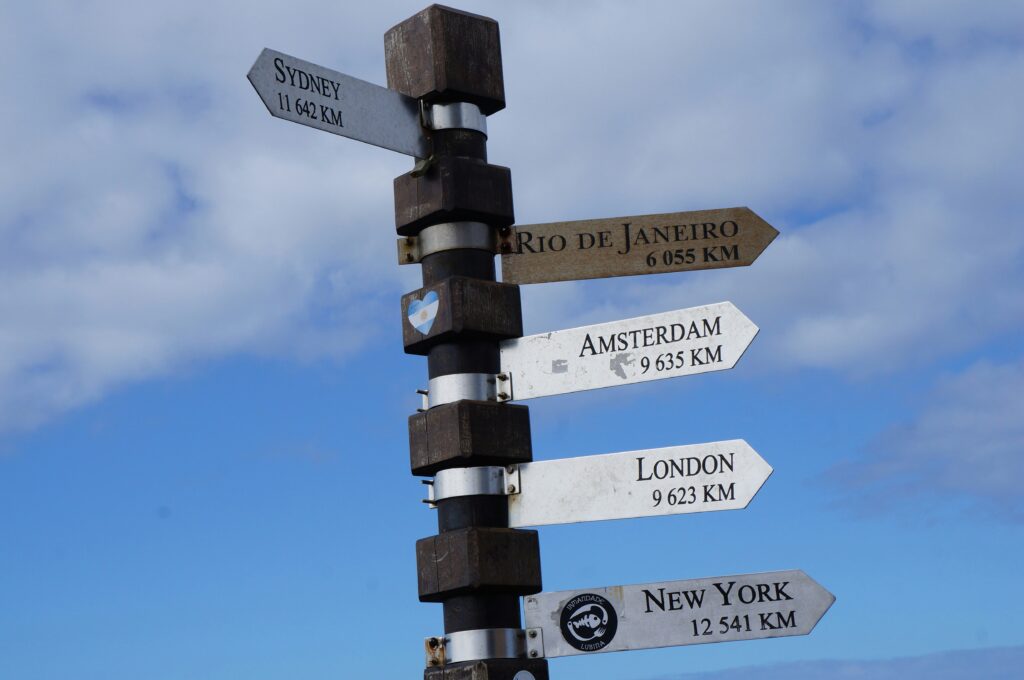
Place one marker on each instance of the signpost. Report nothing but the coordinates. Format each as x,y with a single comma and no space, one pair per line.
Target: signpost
445,76
674,613
312,95
628,246
670,481
683,342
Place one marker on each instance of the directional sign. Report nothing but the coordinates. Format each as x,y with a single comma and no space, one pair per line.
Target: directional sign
683,342
669,481
673,613
644,244
312,95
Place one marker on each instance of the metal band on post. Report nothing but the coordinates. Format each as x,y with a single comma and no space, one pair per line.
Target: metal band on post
455,116
474,481
446,389
447,236
476,645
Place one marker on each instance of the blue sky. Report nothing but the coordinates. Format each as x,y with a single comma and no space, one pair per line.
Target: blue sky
203,395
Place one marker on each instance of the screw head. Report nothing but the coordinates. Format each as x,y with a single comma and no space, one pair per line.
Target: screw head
532,633
511,488
533,653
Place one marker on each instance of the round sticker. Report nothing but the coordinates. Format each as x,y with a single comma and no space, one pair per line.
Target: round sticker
588,622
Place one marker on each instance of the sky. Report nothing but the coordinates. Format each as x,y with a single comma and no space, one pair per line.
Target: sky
203,394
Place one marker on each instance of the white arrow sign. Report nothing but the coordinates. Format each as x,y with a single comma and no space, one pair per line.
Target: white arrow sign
670,481
683,342
674,613
312,95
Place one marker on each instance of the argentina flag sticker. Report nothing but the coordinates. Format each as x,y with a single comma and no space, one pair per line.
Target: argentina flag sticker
422,312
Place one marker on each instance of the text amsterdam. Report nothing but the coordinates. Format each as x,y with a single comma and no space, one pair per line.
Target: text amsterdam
651,336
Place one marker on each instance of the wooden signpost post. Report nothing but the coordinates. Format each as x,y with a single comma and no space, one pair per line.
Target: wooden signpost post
453,212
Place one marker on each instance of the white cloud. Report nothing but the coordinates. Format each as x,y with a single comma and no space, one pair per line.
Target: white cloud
153,214
966,444
894,178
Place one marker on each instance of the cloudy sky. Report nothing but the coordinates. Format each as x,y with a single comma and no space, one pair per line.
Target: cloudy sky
203,457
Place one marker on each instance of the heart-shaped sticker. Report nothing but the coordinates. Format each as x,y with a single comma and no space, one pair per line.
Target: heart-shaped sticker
422,312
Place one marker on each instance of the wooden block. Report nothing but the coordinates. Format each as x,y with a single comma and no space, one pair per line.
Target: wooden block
446,55
453,189
460,308
489,669
478,559
467,433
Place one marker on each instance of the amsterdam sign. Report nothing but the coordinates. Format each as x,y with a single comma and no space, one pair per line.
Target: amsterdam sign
683,342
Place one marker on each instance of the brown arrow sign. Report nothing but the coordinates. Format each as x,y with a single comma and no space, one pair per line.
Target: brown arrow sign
628,246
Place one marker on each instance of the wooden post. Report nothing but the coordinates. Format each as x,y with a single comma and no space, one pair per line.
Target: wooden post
476,567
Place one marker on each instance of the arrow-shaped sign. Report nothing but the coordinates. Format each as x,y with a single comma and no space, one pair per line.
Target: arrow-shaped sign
674,613
669,481
643,244
683,342
312,95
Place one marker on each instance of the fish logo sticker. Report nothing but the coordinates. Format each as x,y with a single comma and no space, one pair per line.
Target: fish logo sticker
589,622
422,312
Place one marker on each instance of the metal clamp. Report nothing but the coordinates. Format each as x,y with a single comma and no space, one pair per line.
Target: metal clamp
446,389
447,236
474,645
454,116
453,236
535,643
473,481
534,636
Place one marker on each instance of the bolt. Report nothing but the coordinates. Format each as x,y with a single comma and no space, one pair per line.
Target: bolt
502,395
533,653
506,247
409,257
532,633
434,662
511,488
502,377
432,643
